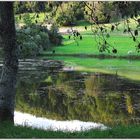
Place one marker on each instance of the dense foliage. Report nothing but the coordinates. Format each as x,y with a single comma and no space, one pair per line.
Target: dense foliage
71,11
33,39
68,13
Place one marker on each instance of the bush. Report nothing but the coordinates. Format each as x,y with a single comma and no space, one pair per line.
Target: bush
34,39
54,36
29,49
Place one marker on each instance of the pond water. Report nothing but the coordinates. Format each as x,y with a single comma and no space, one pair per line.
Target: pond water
73,97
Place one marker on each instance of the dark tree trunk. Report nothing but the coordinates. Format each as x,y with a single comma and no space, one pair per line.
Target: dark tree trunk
10,65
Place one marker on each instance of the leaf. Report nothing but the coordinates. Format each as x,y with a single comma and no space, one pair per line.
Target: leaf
101,28
138,20
53,51
108,50
136,32
100,50
20,17
77,33
105,30
129,29
112,28
134,39
116,24
96,19
37,16
125,30
107,35
50,5
127,21
114,50
86,12
139,46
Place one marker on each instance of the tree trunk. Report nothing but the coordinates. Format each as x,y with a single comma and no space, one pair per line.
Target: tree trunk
10,65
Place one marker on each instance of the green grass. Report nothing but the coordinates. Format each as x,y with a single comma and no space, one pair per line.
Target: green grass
9,131
122,42
126,68
88,45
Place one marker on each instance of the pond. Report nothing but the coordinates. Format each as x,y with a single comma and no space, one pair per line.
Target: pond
88,99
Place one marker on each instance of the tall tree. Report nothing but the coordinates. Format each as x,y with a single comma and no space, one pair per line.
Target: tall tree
10,61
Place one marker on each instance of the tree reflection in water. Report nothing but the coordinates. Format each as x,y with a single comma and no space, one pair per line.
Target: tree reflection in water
71,95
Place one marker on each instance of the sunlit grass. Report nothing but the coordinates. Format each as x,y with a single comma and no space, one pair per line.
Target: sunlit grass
88,45
126,68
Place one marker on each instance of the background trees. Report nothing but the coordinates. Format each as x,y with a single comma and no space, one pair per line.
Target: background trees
78,10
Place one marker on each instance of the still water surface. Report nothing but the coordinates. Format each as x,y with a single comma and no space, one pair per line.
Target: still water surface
94,97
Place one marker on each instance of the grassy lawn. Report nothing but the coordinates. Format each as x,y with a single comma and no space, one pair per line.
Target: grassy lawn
9,131
126,68
88,45
122,42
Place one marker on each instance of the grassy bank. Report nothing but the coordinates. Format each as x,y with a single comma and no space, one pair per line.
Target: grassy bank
9,131
126,68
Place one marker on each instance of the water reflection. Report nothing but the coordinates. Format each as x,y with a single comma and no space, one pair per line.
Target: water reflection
25,119
71,95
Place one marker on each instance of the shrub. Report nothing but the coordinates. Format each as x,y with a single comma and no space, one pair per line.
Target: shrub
32,40
29,49
54,36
